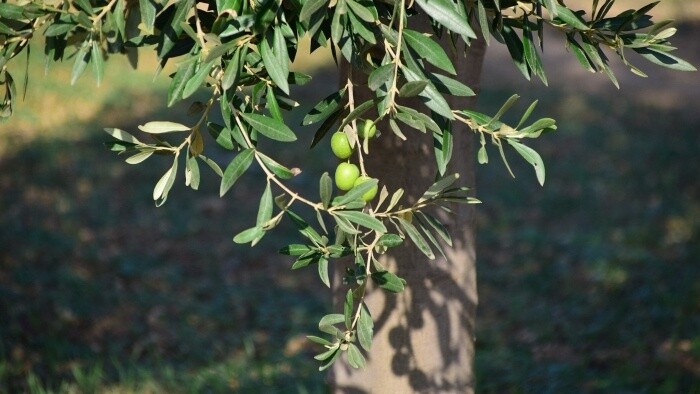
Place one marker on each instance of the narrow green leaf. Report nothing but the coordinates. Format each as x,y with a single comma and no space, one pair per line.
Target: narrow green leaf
390,240
412,88
164,184
265,207
570,18
233,70
160,127
304,228
248,235
272,104
122,135
532,157
365,328
445,13
437,226
277,168
361,11
212,164
326,189
388,281
324,108
193,171
98,62
270,128
139,157
417,238
235,169
380,75
319,340
433,98
309,8
323,271
184,73
81,60
355,193
665,59
428,49
277,68
363,219
345,225
148,15
347,309
197,79
355,357
527,114
440,185
447,85
295,250
538,125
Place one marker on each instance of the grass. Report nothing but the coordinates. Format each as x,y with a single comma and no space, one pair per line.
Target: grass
589,284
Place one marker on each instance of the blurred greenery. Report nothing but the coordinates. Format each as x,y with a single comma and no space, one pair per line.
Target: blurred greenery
589,284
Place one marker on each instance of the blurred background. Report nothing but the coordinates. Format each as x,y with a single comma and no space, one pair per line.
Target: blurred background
588,284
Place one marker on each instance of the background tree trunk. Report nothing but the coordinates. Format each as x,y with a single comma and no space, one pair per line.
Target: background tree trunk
424,337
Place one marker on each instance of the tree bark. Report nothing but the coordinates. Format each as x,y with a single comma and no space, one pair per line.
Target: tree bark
424,336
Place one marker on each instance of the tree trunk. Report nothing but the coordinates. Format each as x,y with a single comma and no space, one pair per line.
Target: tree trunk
424,336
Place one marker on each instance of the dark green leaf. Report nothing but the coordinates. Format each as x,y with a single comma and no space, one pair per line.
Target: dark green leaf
295,250
365,328
532,157
447,85
326,189
428,49
324,108
665,59
380,76
355,193
363,219
570,18
445,13
277,68
347,308
309,7
417,238
184,72
197,79
81,60
433,98
270,128
323,271
390,240
265,208
276,168
388,281
235,169
412,88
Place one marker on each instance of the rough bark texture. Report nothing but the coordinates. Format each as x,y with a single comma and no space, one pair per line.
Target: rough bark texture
424,337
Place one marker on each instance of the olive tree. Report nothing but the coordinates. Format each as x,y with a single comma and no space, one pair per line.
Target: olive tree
394,220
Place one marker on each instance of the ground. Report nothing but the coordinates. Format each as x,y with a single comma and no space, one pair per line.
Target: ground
589,284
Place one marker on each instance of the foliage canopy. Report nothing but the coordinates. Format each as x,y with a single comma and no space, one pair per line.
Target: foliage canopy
240,52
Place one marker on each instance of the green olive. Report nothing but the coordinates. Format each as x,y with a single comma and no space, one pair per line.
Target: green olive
340,145
369,194
368,130
345,175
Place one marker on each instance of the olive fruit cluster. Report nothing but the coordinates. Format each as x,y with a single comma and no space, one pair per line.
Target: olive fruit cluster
347,175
